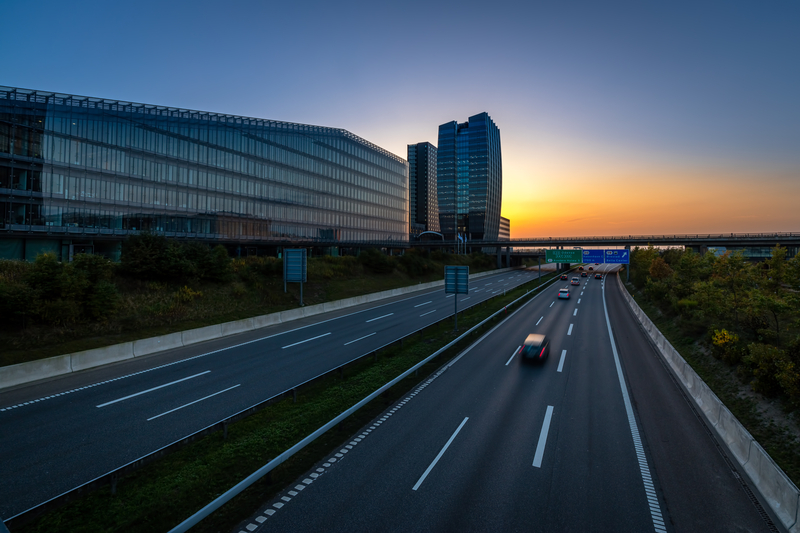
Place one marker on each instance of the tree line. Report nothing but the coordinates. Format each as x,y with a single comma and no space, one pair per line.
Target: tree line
749,312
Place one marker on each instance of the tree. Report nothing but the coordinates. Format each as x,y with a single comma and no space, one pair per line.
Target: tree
735,277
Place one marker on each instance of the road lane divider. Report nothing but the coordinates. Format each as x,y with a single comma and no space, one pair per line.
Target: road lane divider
575,313
378,318
429,312
307,340
537,458
153,389
424,303
644,469
569,332
192,403
441,453
513,354
561,362
537,323
361,338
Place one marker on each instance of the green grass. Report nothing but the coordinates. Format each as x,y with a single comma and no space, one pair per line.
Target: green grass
774,437
162,494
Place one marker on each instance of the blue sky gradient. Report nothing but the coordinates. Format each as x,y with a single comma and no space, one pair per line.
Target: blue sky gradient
687,115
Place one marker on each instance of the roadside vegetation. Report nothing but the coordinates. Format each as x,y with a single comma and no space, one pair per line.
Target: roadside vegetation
161,286
738,324
162,494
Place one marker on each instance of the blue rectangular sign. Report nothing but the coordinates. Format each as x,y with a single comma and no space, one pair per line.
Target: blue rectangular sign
294,265
456,279
617,257
594,256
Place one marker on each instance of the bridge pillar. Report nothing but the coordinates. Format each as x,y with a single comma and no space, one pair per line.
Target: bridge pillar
508,256
499,257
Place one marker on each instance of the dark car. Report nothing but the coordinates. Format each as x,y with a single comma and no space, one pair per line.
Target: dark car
591,268
536,347
580,268
584,275
563,276
598,276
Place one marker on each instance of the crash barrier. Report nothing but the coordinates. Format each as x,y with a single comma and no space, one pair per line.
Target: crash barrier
50,367
774,485
111,478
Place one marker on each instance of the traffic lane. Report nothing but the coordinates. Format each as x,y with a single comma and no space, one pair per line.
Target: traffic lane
51,386
596,482
700,491
382,473
99,457
485,480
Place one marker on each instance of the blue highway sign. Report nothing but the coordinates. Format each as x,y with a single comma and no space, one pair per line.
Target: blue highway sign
617,257
594,256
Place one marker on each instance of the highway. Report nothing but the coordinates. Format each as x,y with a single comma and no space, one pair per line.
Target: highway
61,433
597,438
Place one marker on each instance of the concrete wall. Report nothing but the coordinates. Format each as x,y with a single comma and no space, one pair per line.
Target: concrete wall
774,485
13,375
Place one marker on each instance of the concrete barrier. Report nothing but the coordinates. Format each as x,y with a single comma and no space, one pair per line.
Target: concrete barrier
13,375
18,374
192,336
773,484
102,356
780,493
157,344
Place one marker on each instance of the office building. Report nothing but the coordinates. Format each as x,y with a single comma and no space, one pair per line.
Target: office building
505,230
80,173
470,179
423,205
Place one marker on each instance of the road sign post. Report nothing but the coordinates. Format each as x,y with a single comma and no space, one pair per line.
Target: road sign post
294,268
456,281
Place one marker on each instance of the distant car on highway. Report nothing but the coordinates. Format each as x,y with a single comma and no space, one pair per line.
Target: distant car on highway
563,293
576,281
598,276
584,275
563,276
580,268
591,268
536,347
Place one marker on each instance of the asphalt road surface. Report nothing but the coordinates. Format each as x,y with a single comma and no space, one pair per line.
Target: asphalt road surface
597,438
59,434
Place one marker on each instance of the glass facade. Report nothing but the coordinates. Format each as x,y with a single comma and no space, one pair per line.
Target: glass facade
89,166
423,201
470,178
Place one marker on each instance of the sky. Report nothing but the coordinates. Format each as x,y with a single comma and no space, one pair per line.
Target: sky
615,117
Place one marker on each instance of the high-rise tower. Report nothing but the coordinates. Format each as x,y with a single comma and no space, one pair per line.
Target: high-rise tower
423,206
470,179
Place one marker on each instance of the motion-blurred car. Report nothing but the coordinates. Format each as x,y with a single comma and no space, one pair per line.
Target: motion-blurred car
536,347
584,275
563,293
591,268
598,276
575,281
563,276
580,268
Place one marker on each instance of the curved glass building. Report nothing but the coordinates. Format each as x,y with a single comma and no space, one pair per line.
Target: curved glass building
84,172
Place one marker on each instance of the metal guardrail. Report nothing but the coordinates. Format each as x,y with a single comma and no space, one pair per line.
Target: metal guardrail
112,477
261,472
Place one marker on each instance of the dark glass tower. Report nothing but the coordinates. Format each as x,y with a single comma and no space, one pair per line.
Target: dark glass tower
470,178
423,203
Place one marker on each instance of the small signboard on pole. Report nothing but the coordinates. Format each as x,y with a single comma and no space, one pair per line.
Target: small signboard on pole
294,268
456,281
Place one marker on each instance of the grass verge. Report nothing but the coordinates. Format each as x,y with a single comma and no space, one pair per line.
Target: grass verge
166,492
775,437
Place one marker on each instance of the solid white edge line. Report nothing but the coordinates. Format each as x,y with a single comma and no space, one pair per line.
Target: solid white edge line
191,403
362,338
647,479
384,316
429,312
570,329
151,390
424,303
540,321
561,362
537,458
440,454
307,340
513,354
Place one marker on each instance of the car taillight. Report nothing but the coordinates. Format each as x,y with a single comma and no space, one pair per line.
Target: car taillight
541,354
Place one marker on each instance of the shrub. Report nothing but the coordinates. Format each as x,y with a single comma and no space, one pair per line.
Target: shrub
765,363
376,261
726,346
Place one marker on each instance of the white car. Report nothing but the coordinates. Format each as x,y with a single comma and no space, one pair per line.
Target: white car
563,293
